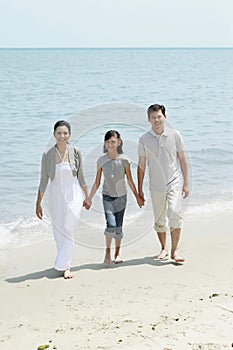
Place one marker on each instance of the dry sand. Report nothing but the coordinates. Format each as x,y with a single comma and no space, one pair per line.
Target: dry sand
140,304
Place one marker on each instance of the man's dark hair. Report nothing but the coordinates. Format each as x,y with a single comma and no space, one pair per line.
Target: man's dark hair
156,108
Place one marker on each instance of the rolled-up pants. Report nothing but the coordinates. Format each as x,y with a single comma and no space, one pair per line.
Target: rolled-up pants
114,208
167,208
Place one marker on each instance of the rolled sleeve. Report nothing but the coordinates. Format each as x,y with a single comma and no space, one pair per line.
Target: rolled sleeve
80,173
44,177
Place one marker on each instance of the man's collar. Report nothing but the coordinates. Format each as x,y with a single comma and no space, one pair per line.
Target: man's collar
153,133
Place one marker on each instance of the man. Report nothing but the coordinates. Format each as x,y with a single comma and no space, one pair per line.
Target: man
162,149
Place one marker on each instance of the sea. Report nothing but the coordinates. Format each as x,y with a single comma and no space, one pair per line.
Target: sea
98,89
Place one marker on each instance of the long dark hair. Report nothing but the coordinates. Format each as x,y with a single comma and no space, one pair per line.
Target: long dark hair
110,134
62,123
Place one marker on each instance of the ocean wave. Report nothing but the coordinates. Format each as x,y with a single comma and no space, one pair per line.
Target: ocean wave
30,230
208,208
220,154
205,203
23,232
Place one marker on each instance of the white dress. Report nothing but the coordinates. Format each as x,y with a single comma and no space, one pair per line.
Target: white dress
65,204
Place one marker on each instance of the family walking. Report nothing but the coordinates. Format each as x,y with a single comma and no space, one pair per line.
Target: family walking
160,149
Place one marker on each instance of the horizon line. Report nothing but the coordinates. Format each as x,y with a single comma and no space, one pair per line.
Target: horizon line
116,47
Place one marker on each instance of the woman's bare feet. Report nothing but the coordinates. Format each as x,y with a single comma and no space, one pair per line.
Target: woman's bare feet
175,256
67,274
162,255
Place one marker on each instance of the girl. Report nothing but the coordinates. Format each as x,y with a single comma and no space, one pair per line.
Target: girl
62,164
115,165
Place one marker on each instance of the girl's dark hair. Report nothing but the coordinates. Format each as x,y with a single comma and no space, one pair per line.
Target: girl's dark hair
62,123
110,134
156,108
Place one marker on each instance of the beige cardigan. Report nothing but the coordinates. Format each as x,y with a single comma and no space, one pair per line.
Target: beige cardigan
48,166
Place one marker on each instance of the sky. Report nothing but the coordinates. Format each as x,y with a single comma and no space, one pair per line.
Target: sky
116,23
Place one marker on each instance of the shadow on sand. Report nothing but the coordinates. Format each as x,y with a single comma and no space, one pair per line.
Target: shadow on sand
53,274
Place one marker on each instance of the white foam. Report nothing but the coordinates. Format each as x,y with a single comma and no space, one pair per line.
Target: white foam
4,236
30,230
23,231
209,207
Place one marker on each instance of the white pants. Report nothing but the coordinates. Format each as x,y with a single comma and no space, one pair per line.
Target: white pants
167,209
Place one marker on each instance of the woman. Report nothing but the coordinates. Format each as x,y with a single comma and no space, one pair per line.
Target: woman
62,164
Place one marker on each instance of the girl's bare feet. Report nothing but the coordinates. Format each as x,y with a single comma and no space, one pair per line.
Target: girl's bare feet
118,260
67,274
107,259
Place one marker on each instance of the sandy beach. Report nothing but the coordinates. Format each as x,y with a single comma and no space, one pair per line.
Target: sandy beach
141,304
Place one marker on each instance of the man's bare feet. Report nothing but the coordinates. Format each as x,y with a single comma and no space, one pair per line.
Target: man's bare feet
175,256
67,274
162,255
118,260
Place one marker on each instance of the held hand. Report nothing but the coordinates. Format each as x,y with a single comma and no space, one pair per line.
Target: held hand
185,191
87,203
141,195
39,212
140,201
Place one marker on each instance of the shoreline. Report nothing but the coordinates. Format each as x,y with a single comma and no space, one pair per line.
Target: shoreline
29,230
140,304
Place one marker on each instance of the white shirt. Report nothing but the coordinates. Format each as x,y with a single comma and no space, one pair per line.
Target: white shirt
161,157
